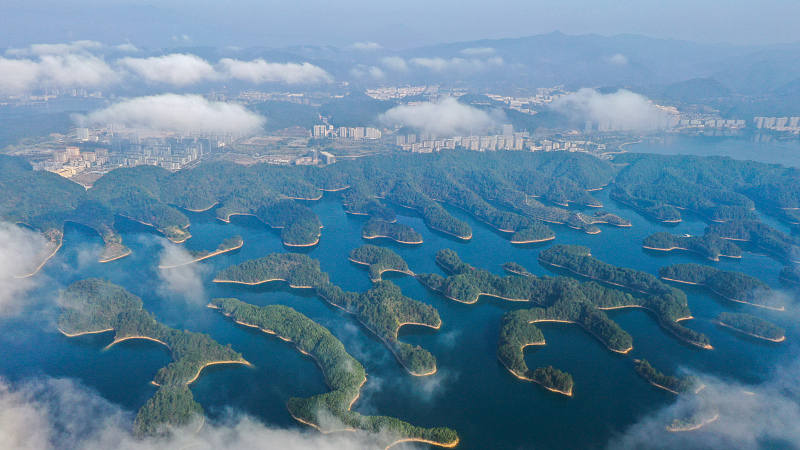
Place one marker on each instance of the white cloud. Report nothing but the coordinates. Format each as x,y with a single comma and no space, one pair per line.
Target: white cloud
457,64
18,75
618,59
260,71
749,416
21,252
171,112
395,63
623,109
57,70
366,46
127,47
447,117
477,51
183,281
175,69
56,49
62,414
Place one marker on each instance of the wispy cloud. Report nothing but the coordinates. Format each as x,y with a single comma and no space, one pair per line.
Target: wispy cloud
261,71
366,46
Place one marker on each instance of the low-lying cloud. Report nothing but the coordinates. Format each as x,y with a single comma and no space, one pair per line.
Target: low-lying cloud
175,69
171,112
748,417
55,70
180,278
621,110
81,64
49,414
445,118
21,252
261,71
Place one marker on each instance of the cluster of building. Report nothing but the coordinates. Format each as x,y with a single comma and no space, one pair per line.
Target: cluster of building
72,161
323,131
430,142
790,124
169,153
712,122
394,92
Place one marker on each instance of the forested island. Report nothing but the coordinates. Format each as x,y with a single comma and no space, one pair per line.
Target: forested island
344,375
376,228
152,195
751,325
379,260
709,245
357,203
720,189
780,244
734,286
516,269
680,386
94,306
230,244
668,303
382,309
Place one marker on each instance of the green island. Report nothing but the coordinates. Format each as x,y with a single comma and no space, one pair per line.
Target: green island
376,228
96,306
357,203
720,189
669,304
708,245
780,244
382,309
379,260
344,376
516,269
227,245
751,325
681,386
570,303
733,286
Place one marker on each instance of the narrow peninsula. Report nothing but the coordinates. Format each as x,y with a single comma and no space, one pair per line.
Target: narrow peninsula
382,309
227,245
751,325
733,286
709,246
93,306
680,386
379,260
669,304
403,234
344,376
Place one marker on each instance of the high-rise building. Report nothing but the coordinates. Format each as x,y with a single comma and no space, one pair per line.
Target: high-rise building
83,134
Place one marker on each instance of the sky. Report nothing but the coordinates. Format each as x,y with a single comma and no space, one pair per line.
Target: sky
396,25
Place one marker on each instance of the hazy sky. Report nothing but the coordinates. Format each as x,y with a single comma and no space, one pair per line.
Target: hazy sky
396,24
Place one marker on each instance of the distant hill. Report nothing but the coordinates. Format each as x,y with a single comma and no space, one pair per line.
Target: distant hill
282,115
695,90
355,110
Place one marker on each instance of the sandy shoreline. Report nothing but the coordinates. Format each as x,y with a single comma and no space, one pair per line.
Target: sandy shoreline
717,322
210,255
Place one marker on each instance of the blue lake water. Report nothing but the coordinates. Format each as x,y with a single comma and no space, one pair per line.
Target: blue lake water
756,147
471,392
